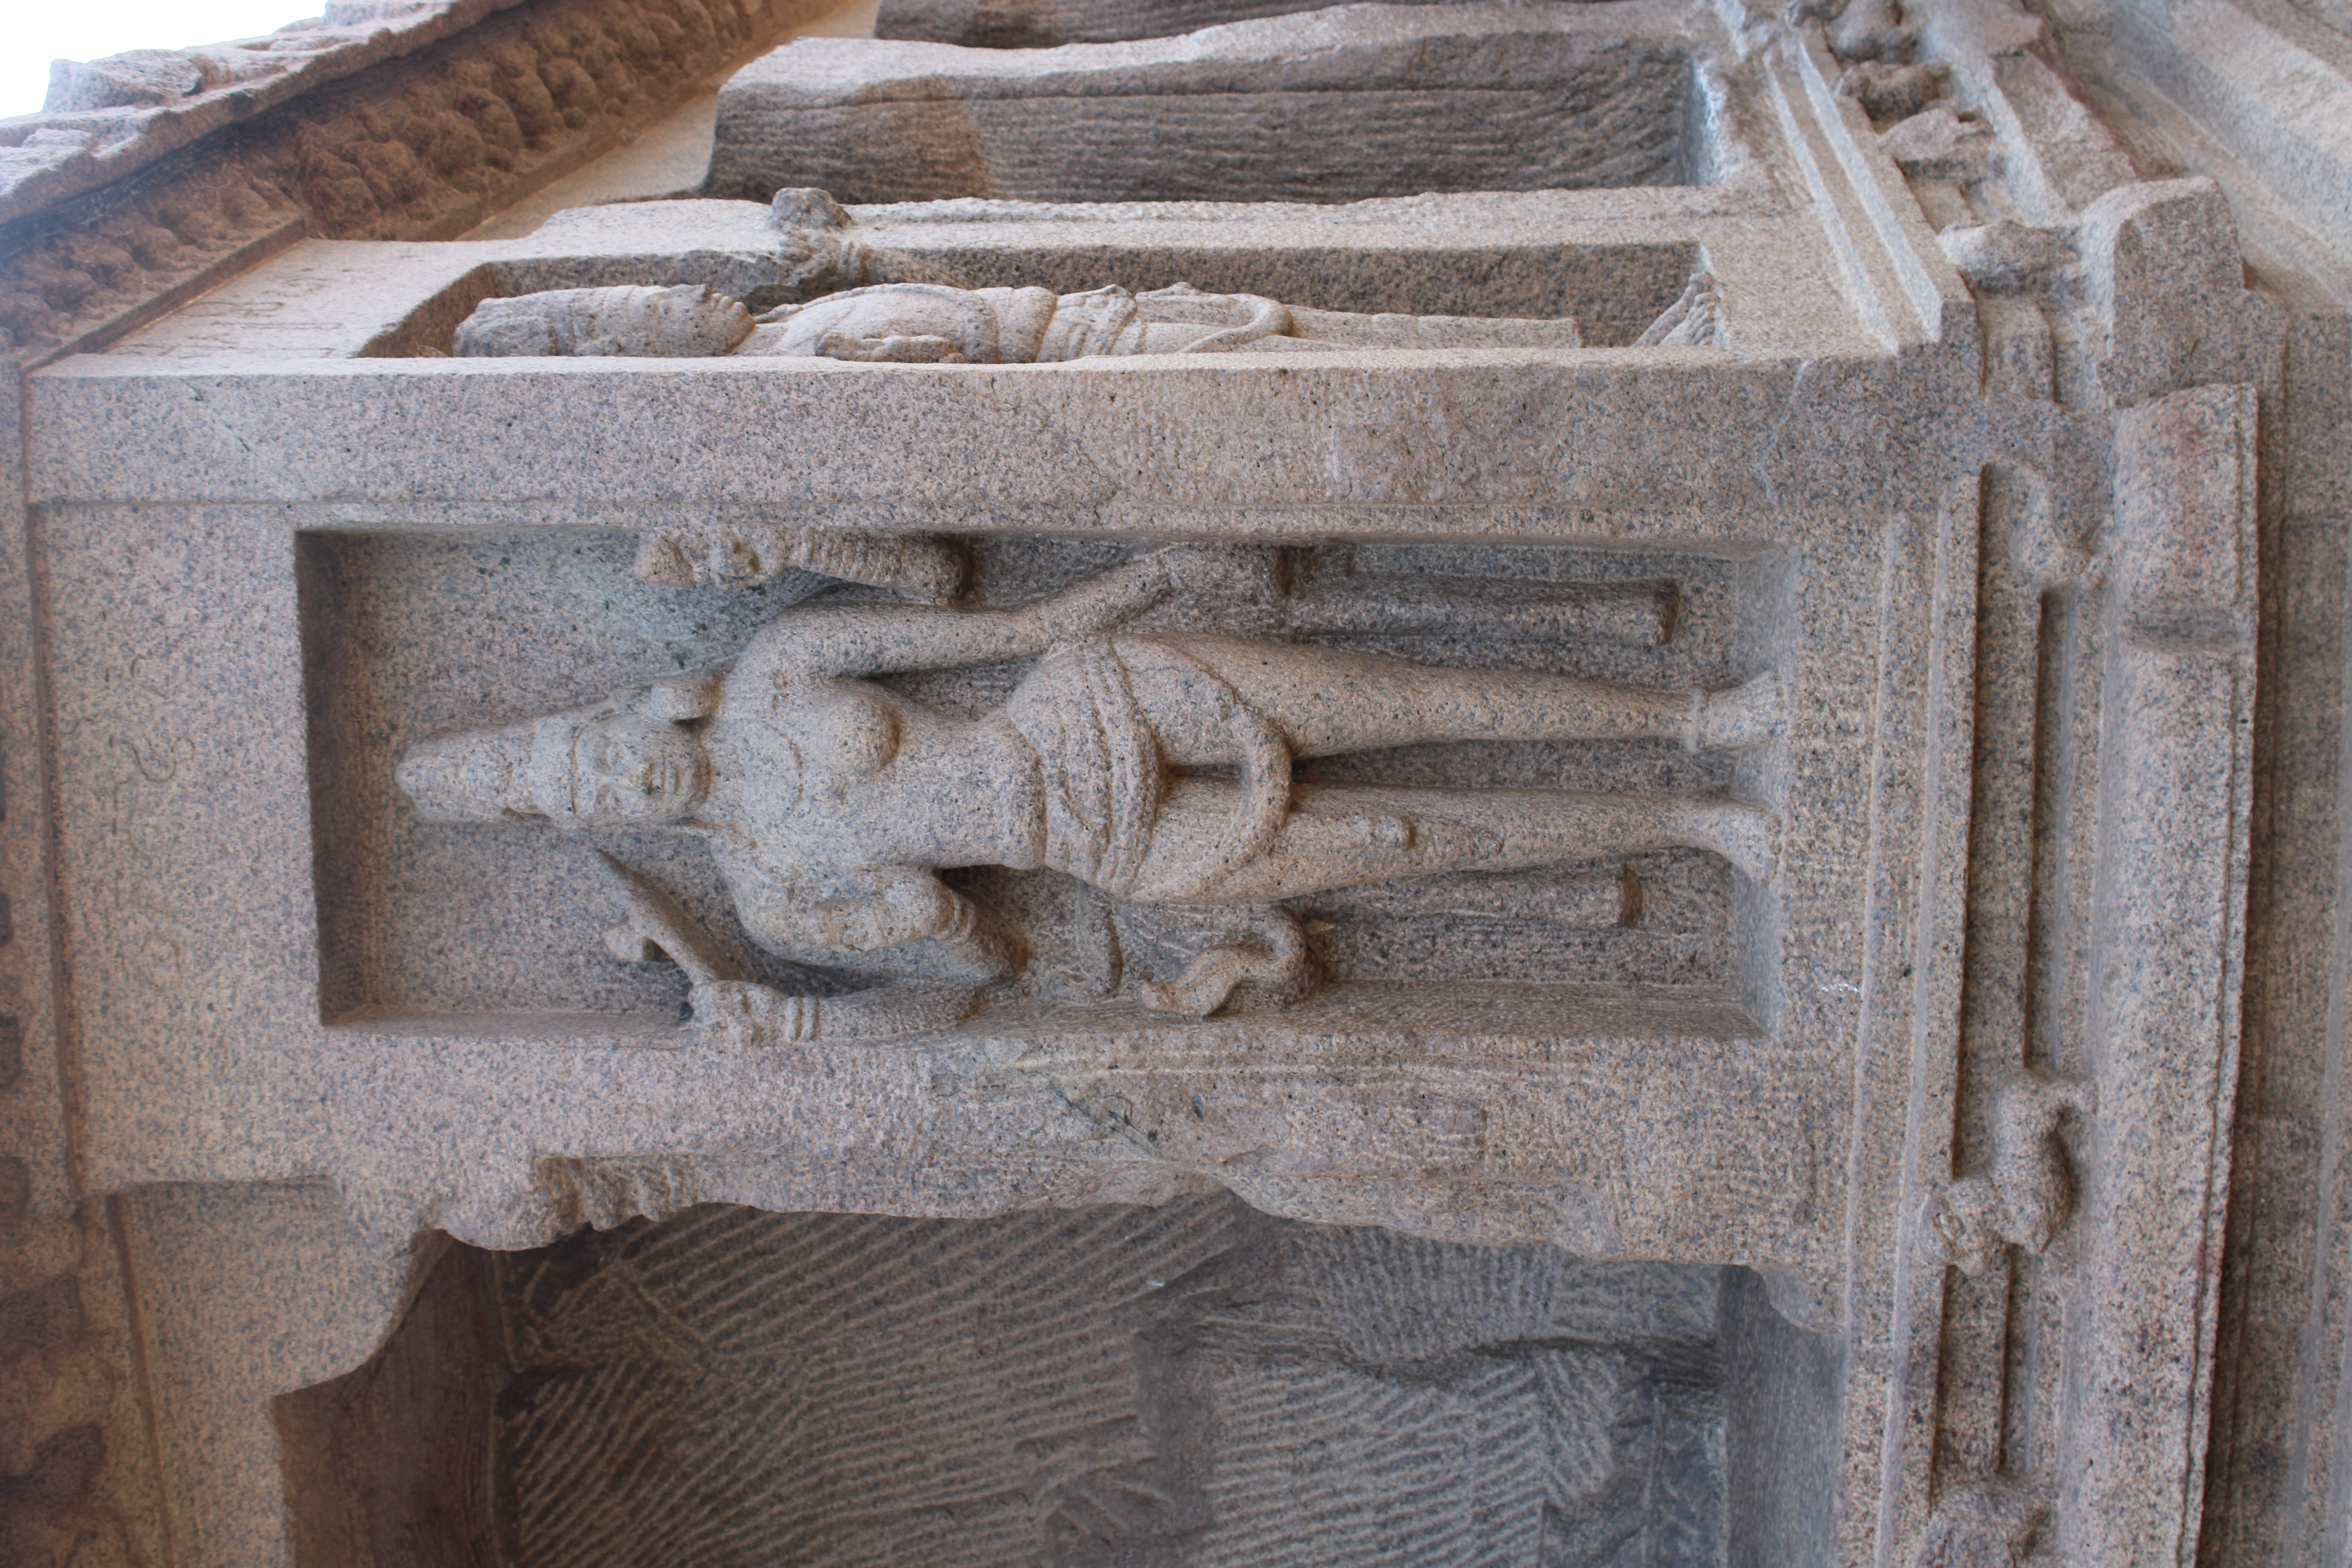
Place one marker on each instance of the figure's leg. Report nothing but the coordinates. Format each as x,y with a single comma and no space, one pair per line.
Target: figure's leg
1341,835
1328,700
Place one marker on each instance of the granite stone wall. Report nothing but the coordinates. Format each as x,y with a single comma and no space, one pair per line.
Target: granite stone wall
1906,1129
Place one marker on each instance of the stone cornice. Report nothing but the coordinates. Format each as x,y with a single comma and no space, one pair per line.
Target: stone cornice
140,113
415,132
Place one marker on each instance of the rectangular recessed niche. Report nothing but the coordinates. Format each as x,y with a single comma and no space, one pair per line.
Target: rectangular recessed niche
408,634
1614,291
1461,1403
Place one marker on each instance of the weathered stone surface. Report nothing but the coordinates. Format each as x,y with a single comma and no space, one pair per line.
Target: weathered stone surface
1340,104
1586,851
117,203
1042,23
167,99
1221,1385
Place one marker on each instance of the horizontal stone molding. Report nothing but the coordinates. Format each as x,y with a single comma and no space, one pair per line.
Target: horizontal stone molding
424,133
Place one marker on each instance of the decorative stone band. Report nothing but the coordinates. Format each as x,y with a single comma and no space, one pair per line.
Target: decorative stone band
106,120
423,143
2168,934
74,1477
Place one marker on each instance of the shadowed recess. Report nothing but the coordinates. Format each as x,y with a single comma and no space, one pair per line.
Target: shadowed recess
1196,1383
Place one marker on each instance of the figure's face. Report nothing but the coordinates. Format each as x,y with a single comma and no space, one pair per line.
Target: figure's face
634,769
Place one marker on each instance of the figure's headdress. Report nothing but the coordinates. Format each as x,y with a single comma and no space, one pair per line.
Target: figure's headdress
516,770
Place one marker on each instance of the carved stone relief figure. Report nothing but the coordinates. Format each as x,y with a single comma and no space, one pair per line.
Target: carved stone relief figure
2027,1195
1153,765
937,324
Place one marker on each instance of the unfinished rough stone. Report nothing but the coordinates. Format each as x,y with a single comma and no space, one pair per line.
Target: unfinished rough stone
1042,23
1938,144
2005,258
1513,1396
1354,101
800,207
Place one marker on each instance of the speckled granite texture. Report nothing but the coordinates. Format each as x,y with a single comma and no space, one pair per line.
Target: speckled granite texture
1328,105
1863,1087
151,176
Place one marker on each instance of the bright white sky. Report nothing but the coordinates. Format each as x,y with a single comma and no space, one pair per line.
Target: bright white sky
35,31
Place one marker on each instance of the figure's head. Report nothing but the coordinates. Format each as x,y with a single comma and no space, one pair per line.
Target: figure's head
688,321
611,764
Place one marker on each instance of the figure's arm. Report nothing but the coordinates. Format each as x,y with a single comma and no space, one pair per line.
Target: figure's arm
882,908
900,904
748,1015
885,908
736,552
894,905
861,639
867,639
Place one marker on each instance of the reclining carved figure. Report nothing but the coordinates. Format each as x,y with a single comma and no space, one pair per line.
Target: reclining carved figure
937,324
831,803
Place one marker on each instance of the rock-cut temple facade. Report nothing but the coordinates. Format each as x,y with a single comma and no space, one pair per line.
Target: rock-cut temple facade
985,783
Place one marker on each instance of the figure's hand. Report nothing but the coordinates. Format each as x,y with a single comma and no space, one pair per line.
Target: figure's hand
743,1016
716,553
918,566
1240,573
1233,573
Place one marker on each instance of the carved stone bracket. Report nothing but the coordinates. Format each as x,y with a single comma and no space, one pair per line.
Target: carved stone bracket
2027,1195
